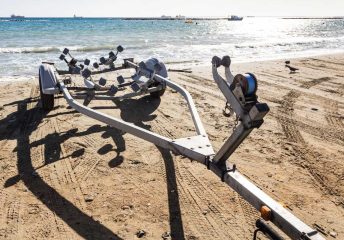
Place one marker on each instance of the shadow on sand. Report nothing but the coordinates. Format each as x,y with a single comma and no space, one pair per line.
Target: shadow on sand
139,112
27,121
80,222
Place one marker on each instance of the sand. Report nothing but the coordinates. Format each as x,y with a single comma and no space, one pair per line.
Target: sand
66,176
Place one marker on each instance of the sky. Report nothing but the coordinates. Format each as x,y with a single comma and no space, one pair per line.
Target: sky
156,8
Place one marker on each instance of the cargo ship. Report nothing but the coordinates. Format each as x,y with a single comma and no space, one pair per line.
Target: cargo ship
17,16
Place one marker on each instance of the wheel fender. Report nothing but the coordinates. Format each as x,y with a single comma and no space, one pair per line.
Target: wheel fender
48,79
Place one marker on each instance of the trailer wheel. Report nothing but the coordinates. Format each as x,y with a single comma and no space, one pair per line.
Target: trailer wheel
46,99
158,94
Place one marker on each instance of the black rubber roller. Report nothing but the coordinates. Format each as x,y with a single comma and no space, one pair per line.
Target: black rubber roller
120,48
86,73
87,62
102,81
73,62
65,51
111,54
120,79
113,90
142,65
226,61
102,60
216,61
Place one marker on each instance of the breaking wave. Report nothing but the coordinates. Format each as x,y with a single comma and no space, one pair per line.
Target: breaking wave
55,49
289,43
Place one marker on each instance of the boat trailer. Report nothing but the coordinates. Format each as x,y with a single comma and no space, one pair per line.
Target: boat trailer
151,78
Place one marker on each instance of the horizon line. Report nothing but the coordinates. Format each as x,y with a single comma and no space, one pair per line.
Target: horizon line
172,16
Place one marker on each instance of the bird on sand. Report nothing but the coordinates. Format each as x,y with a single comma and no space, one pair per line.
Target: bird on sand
292,69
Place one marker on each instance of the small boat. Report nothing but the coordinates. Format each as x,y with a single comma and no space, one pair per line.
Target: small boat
235,18
188,21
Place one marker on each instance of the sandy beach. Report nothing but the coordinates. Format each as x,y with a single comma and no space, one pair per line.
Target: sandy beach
66,176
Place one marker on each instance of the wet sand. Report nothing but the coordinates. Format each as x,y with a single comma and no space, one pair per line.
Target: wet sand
66,176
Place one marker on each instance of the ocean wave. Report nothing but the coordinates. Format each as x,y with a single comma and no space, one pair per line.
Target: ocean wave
290,42
55,49
29,50
93,48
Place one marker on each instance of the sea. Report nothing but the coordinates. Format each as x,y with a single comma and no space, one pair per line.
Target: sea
25,44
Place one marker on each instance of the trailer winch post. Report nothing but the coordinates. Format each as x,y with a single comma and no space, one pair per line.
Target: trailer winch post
249,117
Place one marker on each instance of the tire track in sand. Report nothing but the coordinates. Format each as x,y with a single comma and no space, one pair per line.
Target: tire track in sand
64,171
19,118
3,200
55,184
249,212
207,213
11,205
86,166
306,158
333,117
331,133
38,158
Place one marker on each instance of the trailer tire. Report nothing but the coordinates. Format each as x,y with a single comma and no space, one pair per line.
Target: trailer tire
47,100
158,94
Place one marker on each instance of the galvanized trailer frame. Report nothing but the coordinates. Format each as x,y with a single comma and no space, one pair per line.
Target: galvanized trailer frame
197,147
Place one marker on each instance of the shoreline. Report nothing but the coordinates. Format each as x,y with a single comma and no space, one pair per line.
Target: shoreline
194,64
179,18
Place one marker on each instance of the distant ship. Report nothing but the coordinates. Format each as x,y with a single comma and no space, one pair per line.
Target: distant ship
77,17
235,18
164,17
17,16
180,17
